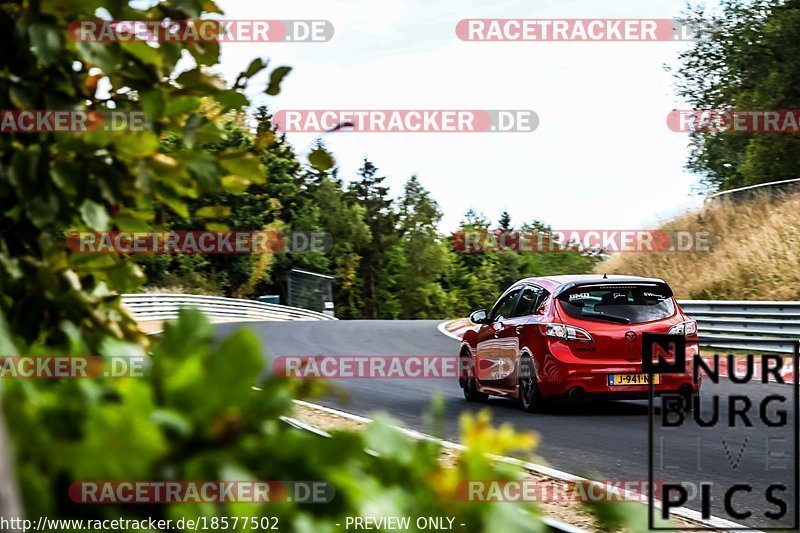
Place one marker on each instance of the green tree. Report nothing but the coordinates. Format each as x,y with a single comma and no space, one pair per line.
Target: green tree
504,224
423,258
296,211
106,179
344,221
280,205
369,192
745,58
472,276
479,277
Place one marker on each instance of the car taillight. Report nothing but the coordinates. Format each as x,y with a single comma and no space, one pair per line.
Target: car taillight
571,333
687,328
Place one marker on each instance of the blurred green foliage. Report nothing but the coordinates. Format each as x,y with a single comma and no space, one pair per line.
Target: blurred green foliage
195,414
122,179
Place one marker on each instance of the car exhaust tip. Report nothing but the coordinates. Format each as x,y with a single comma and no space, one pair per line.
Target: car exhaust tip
576,394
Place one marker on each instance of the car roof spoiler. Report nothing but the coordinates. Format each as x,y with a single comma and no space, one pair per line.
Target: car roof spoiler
611,282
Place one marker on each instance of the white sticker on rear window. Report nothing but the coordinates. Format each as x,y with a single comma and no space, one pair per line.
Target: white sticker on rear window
578,296
654,295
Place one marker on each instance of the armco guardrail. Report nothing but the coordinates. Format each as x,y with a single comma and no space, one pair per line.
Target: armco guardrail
754,325
743,325
154,306
769,189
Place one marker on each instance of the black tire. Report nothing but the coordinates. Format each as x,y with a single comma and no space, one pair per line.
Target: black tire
530,397
471,392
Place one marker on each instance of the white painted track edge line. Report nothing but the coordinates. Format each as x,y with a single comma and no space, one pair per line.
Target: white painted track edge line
444,331
714,522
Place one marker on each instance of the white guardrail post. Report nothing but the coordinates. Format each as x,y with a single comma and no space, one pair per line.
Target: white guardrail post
155,306
753,325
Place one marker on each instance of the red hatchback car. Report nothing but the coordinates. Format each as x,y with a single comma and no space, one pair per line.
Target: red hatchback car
574,337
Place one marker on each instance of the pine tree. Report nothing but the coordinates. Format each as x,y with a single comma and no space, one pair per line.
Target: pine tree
504,224
344,221
423,258
370,193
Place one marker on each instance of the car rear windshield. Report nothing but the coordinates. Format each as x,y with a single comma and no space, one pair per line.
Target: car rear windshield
624,304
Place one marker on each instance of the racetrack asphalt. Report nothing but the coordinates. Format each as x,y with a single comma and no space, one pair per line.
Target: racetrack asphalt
601,439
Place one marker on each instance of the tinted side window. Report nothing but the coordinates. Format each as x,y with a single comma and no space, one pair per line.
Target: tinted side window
529,301
542,305
504,308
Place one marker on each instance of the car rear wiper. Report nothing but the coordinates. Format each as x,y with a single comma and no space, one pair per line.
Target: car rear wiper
610,318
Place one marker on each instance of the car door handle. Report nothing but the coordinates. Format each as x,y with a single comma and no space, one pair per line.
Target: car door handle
518,329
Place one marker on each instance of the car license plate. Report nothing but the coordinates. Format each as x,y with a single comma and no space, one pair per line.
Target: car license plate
615,380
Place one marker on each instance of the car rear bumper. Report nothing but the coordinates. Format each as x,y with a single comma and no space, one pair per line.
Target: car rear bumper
585,378
598,386
624,395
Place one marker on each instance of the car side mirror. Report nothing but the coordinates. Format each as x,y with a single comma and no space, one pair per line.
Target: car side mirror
479,317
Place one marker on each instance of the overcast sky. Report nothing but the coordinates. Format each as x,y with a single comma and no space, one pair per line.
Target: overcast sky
602,156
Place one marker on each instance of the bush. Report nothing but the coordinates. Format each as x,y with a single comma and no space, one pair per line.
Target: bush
196,416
